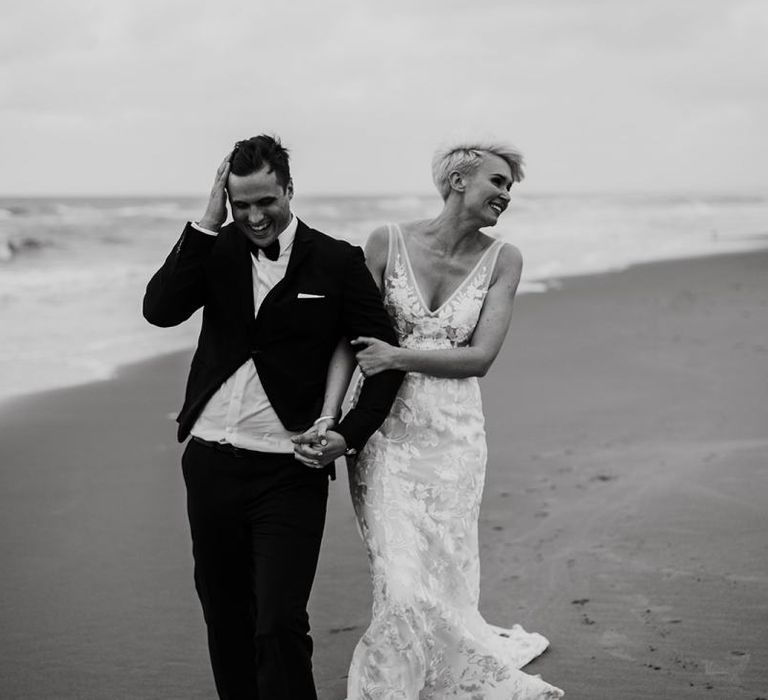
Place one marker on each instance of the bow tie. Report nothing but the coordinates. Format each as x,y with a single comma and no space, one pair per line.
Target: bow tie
272,251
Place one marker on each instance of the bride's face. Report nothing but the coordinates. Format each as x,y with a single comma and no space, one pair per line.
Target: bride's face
486,190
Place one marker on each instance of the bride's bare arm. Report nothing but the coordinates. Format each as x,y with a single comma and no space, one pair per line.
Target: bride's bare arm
340,371
343,361
472,361
342,364
308,445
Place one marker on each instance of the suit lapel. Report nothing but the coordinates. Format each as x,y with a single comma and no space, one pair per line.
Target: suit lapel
242,274
301,250
302,246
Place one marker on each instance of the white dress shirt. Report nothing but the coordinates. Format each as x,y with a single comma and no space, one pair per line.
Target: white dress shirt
239,413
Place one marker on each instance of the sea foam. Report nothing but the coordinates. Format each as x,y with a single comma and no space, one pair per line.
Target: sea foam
73,270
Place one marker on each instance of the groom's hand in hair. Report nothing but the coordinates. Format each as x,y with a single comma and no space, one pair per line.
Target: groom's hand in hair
309,449
216,210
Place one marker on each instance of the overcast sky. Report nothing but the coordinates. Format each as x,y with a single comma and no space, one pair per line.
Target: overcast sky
146,96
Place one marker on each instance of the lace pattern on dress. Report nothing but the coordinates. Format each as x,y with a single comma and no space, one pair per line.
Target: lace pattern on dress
416,489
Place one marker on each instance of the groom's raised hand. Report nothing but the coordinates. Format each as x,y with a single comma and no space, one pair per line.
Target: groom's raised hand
216,210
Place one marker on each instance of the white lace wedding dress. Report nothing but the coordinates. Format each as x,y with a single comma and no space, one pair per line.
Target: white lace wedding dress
416,489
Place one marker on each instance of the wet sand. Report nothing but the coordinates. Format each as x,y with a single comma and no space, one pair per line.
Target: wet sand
626,510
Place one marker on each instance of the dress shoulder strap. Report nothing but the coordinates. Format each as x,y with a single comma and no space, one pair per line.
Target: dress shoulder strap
395,242
489,262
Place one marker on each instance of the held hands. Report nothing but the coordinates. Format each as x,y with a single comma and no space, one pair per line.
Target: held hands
216,211
319,445
375,355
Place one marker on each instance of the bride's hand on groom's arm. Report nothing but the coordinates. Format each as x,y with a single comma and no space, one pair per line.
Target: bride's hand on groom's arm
374,356
317,451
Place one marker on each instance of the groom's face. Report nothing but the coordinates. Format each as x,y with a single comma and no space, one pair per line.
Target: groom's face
261,207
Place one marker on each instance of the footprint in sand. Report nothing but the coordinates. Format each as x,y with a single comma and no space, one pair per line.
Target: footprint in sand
686,663
585,619
732,666
604,477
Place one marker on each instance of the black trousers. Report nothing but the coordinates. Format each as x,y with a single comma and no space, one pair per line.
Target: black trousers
257,520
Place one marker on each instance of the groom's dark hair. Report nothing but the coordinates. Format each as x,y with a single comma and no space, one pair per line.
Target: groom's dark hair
256,152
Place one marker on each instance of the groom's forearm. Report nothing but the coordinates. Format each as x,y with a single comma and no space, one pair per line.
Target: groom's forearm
364,315
372,407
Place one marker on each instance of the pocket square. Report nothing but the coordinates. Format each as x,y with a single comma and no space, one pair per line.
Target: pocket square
304,295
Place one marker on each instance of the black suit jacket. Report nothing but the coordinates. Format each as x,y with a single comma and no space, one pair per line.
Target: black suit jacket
291,340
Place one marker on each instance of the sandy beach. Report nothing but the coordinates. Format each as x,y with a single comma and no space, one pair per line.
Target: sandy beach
625,517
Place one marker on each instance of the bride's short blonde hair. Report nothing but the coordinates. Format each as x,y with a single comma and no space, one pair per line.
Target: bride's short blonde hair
465,157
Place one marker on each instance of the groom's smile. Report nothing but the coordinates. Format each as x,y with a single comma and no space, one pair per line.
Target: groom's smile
261,206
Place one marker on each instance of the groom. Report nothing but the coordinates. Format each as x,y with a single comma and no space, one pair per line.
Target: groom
277,296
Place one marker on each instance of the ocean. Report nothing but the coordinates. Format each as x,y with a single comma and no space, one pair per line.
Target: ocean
73,270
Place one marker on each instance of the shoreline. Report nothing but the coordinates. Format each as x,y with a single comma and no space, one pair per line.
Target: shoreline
624,516
176,344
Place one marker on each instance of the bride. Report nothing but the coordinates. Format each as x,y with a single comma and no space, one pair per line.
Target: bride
417,484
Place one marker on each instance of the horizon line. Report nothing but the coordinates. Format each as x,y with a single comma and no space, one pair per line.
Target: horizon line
752,193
